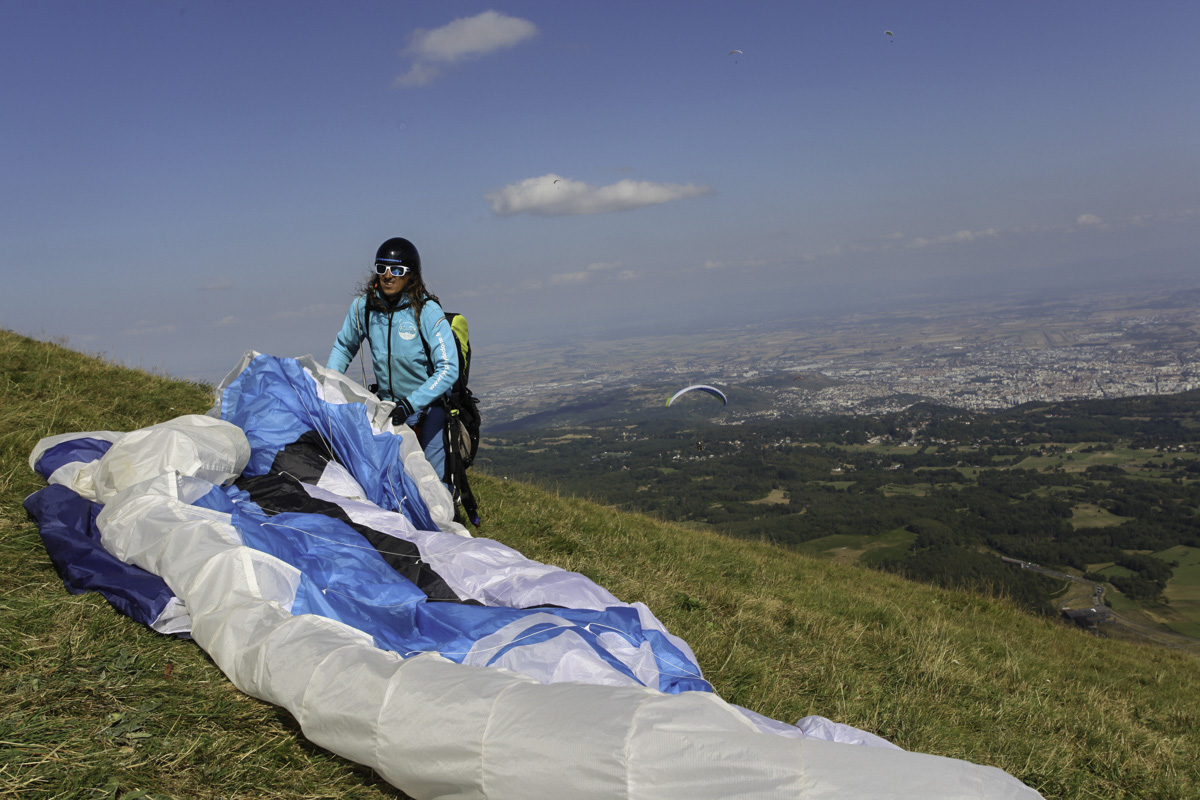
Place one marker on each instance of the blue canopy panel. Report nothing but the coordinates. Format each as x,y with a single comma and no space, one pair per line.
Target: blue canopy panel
369,583
372,580
275,401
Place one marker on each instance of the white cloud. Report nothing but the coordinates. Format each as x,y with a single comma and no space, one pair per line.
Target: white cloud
599,270
959,237
224,322
1084,222
419,74
552,195
569,277
464,38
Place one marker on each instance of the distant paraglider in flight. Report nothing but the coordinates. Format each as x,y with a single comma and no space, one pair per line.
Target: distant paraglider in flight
891,36
702,388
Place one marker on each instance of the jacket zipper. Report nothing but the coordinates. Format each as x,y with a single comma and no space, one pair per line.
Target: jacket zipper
389,360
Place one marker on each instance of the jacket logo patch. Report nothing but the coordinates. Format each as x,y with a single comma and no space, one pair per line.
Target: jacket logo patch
407,331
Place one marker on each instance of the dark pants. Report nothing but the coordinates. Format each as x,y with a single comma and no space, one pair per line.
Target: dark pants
429,434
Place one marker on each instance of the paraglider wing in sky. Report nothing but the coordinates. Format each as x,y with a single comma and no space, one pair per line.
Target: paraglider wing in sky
699,387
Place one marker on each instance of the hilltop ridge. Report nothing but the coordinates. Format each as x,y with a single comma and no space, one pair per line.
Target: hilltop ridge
934,670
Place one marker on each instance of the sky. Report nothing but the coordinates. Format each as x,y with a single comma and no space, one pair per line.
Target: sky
184,181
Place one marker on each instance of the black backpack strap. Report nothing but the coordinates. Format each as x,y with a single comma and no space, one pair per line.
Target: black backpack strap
463,358
468,500
366,336
428,352
456,467
440,401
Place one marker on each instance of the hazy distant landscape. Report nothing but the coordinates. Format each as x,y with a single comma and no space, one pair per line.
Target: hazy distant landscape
1062,435
978,355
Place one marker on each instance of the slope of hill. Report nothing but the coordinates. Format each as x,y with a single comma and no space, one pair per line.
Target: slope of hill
1105,490
98,706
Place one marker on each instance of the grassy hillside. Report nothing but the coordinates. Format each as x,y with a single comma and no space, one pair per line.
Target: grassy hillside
100,707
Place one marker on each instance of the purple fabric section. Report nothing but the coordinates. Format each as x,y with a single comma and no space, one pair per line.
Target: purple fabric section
74,450
68,527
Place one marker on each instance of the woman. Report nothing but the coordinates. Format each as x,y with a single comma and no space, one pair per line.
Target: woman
412,347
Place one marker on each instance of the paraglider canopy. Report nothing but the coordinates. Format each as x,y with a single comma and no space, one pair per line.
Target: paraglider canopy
701,388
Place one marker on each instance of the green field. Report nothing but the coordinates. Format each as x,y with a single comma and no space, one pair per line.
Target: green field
1073,459
864,550
1183,590
914,489
1087,515
1120,602
839,485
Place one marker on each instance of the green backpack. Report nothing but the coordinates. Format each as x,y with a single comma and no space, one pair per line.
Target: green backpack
462,419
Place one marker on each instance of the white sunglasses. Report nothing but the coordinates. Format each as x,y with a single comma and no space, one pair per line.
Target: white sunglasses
397,270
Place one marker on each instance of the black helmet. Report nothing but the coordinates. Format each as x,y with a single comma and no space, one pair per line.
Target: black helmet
399,251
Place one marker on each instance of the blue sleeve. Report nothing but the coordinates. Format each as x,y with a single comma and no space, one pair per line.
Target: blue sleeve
443,352
346,345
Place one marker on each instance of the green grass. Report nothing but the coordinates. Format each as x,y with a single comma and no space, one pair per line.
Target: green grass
1187,564
97,706
1183,590
912,489
864,549
1120,602
1186,628
1089,515
1077,461
839,485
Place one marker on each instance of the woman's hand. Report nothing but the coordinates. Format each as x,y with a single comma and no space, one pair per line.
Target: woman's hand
402,411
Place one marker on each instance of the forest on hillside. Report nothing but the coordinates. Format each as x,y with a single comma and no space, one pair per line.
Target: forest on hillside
1083,485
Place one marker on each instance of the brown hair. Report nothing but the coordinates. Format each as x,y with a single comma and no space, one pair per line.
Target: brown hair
415,294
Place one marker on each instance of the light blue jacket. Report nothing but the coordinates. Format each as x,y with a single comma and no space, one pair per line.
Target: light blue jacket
398,358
